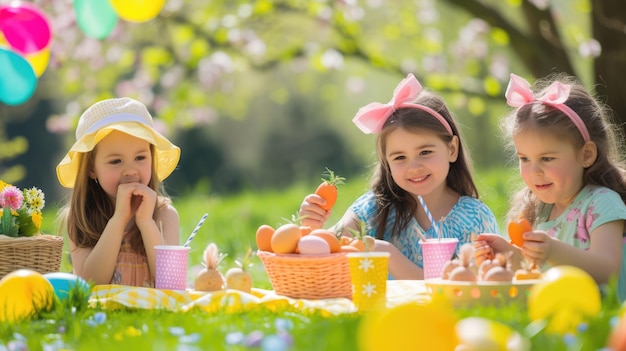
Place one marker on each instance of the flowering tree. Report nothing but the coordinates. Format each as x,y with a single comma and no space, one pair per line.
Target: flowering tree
199,60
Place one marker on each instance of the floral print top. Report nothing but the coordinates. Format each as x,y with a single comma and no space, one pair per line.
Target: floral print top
468,216
592,207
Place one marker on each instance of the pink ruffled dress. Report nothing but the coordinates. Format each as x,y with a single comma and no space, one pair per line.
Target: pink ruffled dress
131,267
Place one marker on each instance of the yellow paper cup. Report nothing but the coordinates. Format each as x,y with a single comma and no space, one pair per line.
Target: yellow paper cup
368,271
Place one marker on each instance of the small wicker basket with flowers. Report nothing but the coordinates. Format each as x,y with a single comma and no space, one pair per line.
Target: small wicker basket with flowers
22,245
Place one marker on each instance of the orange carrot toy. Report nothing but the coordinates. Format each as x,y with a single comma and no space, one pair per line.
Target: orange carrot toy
517,229
328,189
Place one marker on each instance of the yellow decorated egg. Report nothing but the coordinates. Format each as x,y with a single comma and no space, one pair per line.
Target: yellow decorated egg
22,293
564,298
410,326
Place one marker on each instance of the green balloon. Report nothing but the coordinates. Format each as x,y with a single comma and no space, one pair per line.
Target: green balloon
96,18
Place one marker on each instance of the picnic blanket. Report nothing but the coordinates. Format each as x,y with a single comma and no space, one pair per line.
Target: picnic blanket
119,296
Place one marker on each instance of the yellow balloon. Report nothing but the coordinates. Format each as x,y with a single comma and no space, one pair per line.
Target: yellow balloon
137,10
39,61
22,293
3,40
565,297
410,326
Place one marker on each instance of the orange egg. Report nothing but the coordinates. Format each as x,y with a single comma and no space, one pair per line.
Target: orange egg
285,238
330,238
358,243
348,248
264,237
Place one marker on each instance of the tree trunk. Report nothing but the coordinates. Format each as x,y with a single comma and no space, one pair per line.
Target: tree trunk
609,29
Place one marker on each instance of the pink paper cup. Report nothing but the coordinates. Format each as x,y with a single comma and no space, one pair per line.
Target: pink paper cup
171,267
436,253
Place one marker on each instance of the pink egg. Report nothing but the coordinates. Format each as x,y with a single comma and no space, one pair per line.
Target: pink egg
313,245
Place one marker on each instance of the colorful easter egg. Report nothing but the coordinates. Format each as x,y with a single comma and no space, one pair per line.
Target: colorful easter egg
22,293
553,299
64,283
313,245
477,333
410,326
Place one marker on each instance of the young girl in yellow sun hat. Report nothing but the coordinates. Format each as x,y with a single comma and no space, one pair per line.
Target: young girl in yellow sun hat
118,210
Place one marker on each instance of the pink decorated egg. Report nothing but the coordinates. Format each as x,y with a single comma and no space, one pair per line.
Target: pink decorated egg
313,245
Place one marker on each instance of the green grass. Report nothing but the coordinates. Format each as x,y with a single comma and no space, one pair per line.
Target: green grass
231,224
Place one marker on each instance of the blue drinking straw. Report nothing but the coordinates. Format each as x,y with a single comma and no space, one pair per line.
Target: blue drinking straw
195,230
428,214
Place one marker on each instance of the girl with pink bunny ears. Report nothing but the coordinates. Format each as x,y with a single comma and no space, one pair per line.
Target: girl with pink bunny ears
420,157
575,186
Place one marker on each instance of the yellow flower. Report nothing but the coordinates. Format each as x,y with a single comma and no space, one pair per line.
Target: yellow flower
3,184
37,219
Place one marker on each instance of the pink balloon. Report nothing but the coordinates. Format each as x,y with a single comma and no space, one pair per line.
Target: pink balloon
25,27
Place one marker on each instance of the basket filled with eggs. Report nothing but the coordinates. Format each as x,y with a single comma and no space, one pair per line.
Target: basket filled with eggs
493,283
306,264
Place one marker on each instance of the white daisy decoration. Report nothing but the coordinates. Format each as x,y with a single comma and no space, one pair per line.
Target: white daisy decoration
369,289
365,264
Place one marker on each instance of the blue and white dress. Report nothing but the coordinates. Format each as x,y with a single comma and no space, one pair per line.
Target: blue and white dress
468,216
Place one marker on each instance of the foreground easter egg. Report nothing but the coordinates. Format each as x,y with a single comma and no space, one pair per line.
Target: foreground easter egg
22,293
481,334
63,283
313,245
410,326
565,297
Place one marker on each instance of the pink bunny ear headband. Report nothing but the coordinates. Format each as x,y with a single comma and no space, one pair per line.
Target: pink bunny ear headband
370,118
518,94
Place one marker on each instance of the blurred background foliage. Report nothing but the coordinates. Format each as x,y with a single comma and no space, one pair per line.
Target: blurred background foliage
260,94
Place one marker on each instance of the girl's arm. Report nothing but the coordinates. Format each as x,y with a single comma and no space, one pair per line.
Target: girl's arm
98,263
602,261
400,267
168,233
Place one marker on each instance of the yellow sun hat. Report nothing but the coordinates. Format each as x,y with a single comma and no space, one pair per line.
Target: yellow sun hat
125,115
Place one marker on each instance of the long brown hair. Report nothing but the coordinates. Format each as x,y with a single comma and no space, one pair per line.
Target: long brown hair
608,170
388,194
87,213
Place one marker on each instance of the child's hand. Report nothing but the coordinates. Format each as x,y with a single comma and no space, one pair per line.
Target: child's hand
487,245
537,246
135,199
311,212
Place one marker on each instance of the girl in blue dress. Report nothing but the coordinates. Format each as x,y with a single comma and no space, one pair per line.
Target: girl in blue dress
420,154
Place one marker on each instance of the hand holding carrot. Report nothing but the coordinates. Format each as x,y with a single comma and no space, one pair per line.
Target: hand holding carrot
316,208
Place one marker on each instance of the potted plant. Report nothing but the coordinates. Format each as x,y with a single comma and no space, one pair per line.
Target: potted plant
22,245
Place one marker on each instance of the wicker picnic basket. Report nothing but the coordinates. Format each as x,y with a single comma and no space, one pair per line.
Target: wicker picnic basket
41,253
308,276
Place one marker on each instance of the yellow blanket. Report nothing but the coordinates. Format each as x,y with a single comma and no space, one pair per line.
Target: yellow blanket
118,296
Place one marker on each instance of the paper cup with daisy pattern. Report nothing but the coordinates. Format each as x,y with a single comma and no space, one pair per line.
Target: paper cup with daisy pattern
368,271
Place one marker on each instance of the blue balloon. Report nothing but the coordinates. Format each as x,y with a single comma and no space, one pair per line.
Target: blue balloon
17,78
63,283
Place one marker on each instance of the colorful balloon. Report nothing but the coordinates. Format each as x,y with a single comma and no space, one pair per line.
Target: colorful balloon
137,10
17,78
39,61
95,18
25,27
552,299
